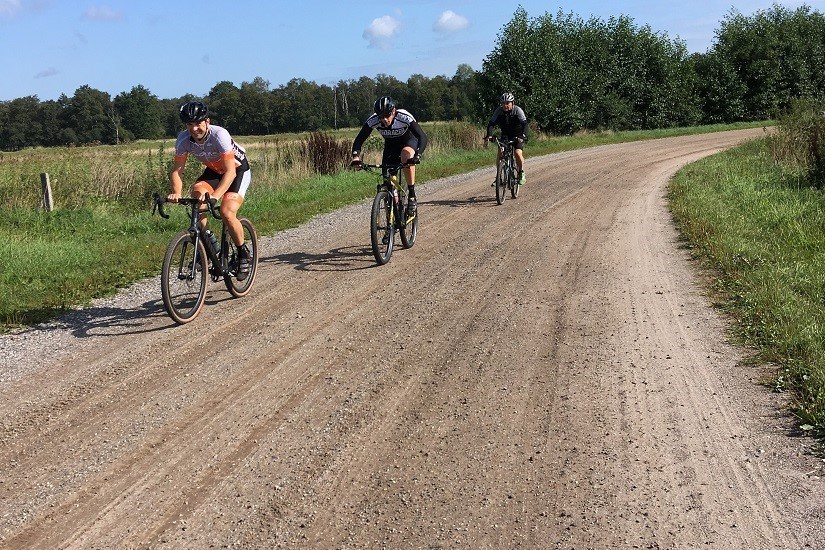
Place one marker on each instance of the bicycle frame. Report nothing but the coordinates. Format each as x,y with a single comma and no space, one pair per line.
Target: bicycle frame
219,265
389,212
506,171
391,181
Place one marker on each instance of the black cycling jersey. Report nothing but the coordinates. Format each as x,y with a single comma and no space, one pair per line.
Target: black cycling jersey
513,123
404,131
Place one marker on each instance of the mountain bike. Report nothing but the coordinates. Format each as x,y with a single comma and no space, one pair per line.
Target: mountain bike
506,171
192,256
389,212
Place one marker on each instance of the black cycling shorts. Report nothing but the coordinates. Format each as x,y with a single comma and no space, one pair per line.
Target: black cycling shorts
392,149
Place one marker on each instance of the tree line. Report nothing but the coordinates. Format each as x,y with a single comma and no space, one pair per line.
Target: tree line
568,73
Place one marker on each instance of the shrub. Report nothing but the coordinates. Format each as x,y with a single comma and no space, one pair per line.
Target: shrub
799,141
326,154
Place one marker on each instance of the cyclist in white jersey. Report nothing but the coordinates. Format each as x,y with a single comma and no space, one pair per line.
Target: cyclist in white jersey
404,140
226,176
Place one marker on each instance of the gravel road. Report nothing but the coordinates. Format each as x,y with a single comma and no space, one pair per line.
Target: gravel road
543,374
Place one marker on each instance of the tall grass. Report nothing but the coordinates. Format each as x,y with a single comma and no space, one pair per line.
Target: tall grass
760,232
799,143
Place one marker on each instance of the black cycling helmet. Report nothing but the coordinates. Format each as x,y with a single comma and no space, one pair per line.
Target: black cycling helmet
194,111
507,97
384,106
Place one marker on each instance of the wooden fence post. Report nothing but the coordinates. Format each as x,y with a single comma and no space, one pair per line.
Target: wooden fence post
48,201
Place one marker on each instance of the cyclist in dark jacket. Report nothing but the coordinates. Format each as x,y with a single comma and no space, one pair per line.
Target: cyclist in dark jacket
404,140
513,123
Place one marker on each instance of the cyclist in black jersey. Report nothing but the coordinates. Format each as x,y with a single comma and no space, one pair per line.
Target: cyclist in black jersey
404,140
513,123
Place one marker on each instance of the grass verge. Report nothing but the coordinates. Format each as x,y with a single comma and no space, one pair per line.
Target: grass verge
759,234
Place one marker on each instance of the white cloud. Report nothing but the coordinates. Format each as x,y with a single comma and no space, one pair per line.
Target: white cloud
9,8
381,32
102,13
450,22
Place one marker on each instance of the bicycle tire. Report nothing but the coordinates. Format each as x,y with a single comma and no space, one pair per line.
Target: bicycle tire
410,231
182,282
501,182
382,227
514,186
237,288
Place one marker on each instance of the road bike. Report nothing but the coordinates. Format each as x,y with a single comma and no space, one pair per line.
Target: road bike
195,254
506,171
389,212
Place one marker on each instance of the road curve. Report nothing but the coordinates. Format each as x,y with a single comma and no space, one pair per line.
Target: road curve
542,374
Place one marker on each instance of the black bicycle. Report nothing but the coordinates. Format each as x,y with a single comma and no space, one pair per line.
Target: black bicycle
390,213
506,171
192,256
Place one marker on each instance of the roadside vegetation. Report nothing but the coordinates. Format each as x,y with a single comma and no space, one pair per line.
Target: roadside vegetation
755,216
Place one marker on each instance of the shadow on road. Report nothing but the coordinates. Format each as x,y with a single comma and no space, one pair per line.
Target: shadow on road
346,258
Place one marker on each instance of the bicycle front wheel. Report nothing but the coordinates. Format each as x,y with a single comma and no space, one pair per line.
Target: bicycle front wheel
409,231
183,279
236,287
501,182
382,227
514,186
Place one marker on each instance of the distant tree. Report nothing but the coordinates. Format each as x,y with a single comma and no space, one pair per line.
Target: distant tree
87,114
777,54
256,108
571,74
302,105
356,98
460,104
425,97
389,85
140,112
225,105
19,123
49,114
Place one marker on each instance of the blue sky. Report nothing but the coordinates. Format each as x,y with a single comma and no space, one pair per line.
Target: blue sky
51,47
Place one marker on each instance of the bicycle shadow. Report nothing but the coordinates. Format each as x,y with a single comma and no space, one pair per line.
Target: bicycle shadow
102,321
345,258
461,203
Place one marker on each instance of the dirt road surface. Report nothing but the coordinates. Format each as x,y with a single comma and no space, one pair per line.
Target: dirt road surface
542,374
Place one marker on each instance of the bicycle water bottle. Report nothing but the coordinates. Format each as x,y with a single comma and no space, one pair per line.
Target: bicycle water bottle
395,196
213,241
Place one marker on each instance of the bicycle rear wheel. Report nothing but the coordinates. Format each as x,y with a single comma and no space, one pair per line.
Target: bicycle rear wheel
250,237
183,279
382,227
409,231
501,182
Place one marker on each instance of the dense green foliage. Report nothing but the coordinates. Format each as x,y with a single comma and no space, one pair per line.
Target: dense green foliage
570,74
